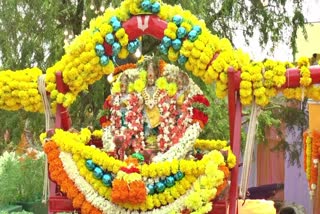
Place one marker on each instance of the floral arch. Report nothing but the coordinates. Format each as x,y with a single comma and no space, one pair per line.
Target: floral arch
95,181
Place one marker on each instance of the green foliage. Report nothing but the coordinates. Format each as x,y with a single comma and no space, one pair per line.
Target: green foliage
21,180
218,124
292,115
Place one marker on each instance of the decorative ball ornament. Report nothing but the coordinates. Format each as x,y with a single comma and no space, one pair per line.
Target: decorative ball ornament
146,5
104,60
151,189
109,38
166,41
193,35
107,179
197,29
133,46
99,49
160,187
182,59
178,176
90,165
181,32
116,25
177,19
155,7
169,182
113,19
116,47
176,44
163,49
98,172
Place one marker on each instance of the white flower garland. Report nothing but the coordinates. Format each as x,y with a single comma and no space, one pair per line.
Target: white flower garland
181,149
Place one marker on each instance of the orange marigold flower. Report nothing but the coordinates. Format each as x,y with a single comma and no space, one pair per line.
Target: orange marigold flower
120,191
78,201
49,146
54,154
86,207
95,211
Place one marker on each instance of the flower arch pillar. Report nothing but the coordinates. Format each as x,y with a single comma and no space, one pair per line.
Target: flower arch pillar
314,124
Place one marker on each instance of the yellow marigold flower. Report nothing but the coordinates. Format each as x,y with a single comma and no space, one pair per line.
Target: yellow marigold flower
161,83
123,53
186,25
139,85
124,40
172,89
120,33
196,53
116,87
173,55
214,75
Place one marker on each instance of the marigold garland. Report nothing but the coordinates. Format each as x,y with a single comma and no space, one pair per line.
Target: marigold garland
311,141
66,184
19,90
190,168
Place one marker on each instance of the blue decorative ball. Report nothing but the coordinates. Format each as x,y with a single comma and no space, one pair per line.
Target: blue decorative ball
116,25
197,29
90,165
107,180
166,41
99,49
113,19
151,189
109,38
179,175
169,181
182,59
177,19
163,49
193,35
116,47
181,32
160,187
98,172
176,44
146,5
155,7
104,60
132,47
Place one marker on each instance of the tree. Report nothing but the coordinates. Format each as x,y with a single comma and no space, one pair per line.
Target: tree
33,34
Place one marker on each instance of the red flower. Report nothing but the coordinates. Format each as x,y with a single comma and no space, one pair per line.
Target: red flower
199,115
201,99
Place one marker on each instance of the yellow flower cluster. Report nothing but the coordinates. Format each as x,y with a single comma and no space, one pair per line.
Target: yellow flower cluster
252,85
308,154
19,90
80,67
303,65
313,92
274,76
209,145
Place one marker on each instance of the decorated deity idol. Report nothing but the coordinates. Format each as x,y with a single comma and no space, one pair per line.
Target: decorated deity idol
151,95
183,87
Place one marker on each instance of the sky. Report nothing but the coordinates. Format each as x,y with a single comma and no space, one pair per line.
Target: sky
282,51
